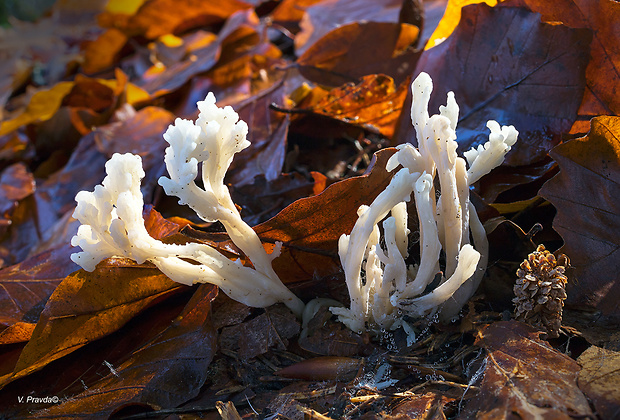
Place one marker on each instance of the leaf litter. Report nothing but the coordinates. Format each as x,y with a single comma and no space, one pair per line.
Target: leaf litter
323,85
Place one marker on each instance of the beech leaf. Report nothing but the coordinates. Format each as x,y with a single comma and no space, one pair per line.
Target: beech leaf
585,194
525,377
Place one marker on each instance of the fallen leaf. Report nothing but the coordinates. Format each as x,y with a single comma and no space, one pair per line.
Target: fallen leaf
309,228
20,332
504,64
361,48
524,377
271,329
323,17
103,52
25,287
598,379
16,183
450,20
160,17
264,199
43,105
290,12
164,373
585,195
267,132
88,306
603,71
374,104
239,30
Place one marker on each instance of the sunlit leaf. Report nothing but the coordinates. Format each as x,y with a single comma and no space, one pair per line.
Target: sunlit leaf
585,194
598,379
374,104
451,19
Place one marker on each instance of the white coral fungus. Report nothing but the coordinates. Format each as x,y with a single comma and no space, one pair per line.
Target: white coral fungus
381,288
112,223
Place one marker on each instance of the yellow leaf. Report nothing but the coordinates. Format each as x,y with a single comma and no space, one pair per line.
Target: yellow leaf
126,7
451,18
43,105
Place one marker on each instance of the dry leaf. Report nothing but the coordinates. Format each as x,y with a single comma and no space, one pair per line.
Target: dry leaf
585,194
525,377
599,378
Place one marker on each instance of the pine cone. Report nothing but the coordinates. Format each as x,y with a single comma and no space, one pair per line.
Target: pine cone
540,290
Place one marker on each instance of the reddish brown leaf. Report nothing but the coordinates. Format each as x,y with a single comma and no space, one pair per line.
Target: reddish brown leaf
19,332
166,372
327,15
263,200
585,194
504,64
160,17
103,52
374,104
239,31
87,306
256,336
16,183
603,71
268,131
525,377
357,49
309,228
25,287
599,378
290,12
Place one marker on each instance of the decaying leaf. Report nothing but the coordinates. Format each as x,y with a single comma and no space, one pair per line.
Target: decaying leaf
504,64
358,49
321,18
599,378
25,287
585,194
374,104
525,377
310,227
166,372
603,71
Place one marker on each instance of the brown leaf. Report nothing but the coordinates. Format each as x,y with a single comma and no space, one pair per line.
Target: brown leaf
19,332
262,200
16,183
268,131
374,104
603,71
585,194
271,329
309,228
504,64
290,12
525,377
103,52
160,17
321,18
87,306
239,30
361,48
25,287
599,379
166,372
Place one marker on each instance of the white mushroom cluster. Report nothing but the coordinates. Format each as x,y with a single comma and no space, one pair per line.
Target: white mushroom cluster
382,289
112,223
381,286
